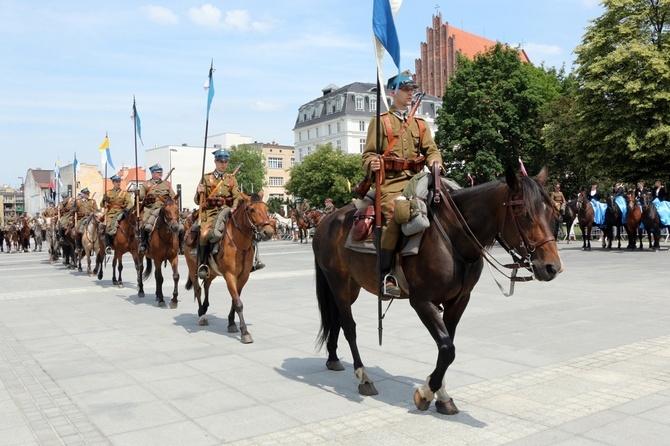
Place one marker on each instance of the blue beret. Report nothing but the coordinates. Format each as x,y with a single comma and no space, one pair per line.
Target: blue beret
156,168
221,155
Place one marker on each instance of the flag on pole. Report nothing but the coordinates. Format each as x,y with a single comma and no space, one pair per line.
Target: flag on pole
57,173
209,88
105,154
522,167
385,35
76,165
137,122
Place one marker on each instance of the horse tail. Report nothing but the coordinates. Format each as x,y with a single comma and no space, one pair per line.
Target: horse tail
147,271
189,283
330,315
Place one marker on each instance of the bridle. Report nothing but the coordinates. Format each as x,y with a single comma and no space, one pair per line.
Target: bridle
245,226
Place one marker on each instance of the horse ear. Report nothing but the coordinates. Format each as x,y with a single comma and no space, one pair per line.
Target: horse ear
543,175
260,193
512,179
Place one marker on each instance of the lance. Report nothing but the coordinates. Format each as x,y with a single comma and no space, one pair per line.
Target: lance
209,86
137,186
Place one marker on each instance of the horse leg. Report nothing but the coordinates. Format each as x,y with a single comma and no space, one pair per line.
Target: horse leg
237,307
158,275
430,316
202,307
175,276
139,267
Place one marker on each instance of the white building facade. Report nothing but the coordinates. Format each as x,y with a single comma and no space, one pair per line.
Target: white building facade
341,116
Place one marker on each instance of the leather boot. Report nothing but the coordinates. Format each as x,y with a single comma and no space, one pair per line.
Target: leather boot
389,284
202,257
258,263
109,242
144,240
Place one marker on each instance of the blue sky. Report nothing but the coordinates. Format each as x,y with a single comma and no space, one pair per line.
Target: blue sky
69,69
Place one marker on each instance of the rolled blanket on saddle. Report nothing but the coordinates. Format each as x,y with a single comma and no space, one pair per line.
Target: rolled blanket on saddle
621,202
663,208
598,212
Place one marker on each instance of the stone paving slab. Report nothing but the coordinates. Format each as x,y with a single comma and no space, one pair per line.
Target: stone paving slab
584,359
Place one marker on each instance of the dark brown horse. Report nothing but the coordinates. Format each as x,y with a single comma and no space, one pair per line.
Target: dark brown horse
633,219
247,226
164,247
24,234
12,238
613,220
516,212
302,223
125,240
585,218
651,222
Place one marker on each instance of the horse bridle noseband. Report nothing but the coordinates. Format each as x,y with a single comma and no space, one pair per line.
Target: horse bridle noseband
253,227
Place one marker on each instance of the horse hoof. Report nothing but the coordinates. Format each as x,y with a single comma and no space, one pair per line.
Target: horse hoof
367,389
173,305
203,322
140,294
232,328
161,303
335,366
446,407
420,402
247,339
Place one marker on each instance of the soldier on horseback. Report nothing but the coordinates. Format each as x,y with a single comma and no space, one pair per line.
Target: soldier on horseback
153,194
406,146
66,212
218,195
114,202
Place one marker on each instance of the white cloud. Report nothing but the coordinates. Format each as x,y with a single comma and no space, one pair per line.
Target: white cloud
161,15
210,16
265,106
542,50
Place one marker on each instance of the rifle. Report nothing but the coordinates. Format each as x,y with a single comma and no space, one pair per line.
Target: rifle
237,169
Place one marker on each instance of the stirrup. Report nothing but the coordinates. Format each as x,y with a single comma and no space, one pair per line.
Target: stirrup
390,288
143,247
258,265
203,272
108,250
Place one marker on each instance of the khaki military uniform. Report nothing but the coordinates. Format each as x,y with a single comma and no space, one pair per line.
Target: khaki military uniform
85,206
66,210
330,208
153,195
114,203
413,143
220,191
49,215
559,201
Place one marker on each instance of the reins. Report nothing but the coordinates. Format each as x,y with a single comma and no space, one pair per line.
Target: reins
518,261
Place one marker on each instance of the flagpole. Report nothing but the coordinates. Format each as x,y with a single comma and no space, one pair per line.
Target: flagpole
137,186
378,212
210,95
74,187
105,179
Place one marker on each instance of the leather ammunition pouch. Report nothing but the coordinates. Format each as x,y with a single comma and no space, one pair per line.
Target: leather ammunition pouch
362,188
364,222
149,200
218,201
395,164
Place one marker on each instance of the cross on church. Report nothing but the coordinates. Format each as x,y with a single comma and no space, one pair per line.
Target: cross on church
437,9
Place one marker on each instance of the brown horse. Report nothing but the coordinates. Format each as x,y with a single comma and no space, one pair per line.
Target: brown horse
24,234
585,217
12,238
125,240
516,212
302,223
651,222
633,219
164,247
248,225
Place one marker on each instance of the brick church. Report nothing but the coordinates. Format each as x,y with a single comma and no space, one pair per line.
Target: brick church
438,54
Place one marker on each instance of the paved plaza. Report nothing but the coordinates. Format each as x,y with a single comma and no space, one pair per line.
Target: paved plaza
582,360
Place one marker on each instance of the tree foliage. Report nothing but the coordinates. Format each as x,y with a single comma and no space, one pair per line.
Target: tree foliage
326,173
623,105
491,114
251,176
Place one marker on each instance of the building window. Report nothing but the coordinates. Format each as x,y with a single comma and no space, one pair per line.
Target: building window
362,144
339,127
309,134
275,163
373,104
359,103
292,162
338,144
330,129
361,126
317,132
299,136
276,181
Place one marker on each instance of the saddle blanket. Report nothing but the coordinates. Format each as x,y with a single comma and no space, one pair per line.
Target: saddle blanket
598,212
367,246
663,208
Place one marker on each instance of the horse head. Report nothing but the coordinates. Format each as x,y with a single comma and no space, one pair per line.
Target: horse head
254,213
526,225
170,213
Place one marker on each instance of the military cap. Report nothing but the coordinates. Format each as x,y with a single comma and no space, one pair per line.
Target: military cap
64,195
221,155
115,178
403,79
156,168
85,191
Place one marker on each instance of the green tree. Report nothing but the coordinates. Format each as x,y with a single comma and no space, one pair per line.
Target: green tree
251,175
326,173
623,105
491,114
